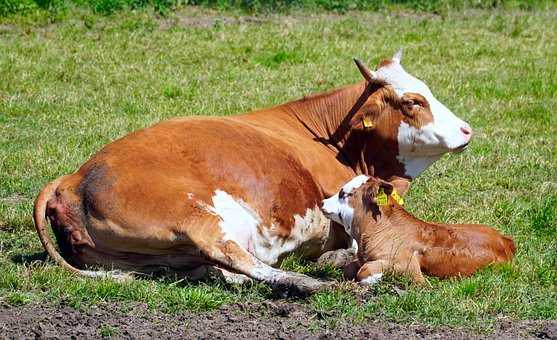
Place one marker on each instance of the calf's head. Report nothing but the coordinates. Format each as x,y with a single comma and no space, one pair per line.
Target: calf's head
360,194
405,116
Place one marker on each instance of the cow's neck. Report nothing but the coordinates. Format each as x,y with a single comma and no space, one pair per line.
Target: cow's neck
326,117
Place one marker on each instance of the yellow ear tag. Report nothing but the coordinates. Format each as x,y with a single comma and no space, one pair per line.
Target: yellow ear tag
368,124
397,197
381,198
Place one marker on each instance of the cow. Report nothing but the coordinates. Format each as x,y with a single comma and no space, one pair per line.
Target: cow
391,239
240,193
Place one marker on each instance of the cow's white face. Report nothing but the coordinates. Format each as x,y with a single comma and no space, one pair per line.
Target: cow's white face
420,146
337,207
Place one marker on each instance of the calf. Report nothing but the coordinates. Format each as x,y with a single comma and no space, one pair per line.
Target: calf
391,239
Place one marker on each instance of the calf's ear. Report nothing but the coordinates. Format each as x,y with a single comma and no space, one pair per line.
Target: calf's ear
386,186
400,184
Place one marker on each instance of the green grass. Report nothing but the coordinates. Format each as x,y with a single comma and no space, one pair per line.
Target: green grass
107,331
57,9
68,88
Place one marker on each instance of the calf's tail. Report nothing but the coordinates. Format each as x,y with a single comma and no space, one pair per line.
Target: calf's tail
39,216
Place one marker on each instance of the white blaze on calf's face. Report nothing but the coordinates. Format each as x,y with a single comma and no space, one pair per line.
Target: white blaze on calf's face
337,207
420,147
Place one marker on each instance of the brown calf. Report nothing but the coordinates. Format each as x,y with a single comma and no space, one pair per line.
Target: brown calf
391,239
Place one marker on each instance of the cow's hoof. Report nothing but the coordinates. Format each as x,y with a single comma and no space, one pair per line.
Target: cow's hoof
299,285
337,258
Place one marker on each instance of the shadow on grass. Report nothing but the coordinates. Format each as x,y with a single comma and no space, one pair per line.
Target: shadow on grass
27,259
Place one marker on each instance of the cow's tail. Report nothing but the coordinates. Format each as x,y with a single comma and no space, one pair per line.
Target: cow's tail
39,215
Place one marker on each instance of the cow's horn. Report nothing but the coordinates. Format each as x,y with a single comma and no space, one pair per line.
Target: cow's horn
364,70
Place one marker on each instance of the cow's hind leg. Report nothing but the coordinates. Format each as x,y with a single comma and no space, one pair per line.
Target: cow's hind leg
212,241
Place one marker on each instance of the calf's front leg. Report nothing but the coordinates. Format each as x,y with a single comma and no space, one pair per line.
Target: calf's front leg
372,272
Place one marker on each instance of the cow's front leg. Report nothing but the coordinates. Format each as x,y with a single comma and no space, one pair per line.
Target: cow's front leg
213,243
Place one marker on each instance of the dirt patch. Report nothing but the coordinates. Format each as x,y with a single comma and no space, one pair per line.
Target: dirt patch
272,320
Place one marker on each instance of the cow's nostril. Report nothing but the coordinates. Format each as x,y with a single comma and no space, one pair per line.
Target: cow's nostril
466,130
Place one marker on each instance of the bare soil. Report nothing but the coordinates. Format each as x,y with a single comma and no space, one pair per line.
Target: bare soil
272,320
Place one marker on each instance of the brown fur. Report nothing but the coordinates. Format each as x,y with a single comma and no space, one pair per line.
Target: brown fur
391,239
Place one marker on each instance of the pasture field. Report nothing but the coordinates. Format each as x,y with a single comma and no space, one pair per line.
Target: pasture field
69,87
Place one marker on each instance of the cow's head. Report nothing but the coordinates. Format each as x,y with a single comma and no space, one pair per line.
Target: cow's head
403,111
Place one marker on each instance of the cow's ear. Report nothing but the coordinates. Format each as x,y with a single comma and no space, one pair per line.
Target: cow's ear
362,121
400,184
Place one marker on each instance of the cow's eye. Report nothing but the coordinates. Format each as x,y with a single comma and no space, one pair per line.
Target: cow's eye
409,112
413,102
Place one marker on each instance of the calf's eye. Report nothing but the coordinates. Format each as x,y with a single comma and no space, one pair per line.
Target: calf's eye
341,193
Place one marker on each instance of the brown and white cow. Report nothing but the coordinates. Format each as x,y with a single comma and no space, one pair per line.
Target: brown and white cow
242,192
391,239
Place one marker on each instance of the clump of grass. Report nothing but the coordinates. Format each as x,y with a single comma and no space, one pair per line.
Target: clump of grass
107,331
305,266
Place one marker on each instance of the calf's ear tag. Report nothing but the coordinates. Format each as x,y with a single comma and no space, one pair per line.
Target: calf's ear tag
368,124
381,197
397,198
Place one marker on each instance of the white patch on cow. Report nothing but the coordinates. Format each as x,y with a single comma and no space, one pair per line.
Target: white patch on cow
338,208
372,280
241,224
190,195
443,135
310,230
238,221
409,141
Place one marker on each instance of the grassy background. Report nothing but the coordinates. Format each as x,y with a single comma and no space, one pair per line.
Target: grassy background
56,9
67,88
